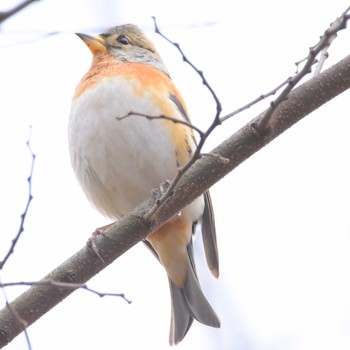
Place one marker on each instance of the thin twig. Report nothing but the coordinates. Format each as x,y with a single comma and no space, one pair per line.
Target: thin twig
24,214
199,72
324,42
65,285
257,100
324,52
164,117
298,63
203,135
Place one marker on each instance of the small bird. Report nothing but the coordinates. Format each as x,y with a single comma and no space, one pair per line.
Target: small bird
119,157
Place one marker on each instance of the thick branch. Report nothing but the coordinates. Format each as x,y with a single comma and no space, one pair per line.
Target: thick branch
39,299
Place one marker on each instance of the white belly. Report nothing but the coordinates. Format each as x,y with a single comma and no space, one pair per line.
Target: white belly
119,162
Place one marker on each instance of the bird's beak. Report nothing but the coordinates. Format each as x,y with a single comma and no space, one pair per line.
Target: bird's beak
94,43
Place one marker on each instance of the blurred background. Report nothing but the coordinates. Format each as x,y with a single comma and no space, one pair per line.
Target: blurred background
282,217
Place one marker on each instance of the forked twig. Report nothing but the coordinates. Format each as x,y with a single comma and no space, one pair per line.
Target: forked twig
24,214
323,44
333,30
15,241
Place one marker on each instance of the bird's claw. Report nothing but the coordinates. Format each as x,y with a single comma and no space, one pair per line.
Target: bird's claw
157,193
91,243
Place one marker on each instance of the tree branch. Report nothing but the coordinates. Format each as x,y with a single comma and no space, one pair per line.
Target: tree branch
124,234
6,15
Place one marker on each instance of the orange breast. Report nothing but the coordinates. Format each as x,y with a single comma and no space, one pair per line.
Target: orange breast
145,79
104,66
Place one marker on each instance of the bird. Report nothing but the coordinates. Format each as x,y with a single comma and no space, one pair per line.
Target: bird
120,155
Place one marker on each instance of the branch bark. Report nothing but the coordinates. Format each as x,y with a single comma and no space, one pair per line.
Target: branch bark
205,172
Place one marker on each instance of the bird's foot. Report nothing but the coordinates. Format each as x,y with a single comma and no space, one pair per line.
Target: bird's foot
91,243
158,192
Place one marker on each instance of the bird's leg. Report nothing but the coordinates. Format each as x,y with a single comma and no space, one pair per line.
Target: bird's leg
160,195
157,193
91,243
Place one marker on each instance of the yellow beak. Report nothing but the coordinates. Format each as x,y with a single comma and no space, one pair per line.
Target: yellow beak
94,43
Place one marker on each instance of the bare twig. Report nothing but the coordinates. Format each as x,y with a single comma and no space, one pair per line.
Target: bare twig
324,55
203,135
24,214
164,117
65,285
333,30
298,63
17,317
324,42
199,72
6,15
257,100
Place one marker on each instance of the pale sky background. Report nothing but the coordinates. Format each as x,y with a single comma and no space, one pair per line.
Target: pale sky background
282,217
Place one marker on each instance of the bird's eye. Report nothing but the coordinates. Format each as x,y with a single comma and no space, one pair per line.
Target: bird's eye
122,39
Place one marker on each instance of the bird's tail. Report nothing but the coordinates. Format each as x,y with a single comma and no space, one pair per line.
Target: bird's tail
189,303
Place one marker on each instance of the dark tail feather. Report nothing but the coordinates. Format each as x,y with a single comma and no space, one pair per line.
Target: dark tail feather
189,303
181,319
209,236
